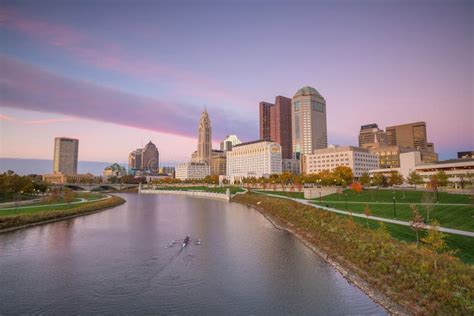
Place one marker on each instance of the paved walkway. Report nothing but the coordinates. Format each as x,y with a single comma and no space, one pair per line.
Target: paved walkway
380,219
81,200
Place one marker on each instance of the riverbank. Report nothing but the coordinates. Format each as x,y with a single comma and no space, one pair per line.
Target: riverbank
14,222
394,274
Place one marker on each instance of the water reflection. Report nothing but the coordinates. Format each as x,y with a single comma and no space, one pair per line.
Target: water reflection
117,261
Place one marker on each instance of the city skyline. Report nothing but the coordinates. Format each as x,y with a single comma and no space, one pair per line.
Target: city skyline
70,72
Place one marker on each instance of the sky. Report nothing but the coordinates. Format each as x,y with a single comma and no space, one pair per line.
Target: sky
117,74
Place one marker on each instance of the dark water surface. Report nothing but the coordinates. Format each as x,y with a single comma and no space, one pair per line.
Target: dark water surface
116,261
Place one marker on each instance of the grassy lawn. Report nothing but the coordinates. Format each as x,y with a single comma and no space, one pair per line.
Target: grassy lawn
296,195
463,244
44,208
451,216
383,195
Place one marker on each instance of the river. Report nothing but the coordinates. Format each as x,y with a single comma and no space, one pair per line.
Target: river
117,261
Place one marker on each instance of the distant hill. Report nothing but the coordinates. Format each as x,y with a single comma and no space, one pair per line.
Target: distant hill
42,166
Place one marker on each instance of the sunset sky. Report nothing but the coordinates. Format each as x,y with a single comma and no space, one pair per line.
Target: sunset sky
118,73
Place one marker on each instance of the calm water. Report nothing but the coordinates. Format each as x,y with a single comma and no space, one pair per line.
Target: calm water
116,261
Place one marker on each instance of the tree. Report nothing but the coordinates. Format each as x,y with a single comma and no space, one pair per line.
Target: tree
427,200
414,178
416,222
69,195
379,180
356,187
435,240
367,213
442,178
364,179
343,175
395,178
284,178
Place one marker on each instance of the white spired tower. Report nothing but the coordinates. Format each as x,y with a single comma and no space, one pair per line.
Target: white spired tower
204,139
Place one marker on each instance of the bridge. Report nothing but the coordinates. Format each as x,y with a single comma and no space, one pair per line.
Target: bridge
95,186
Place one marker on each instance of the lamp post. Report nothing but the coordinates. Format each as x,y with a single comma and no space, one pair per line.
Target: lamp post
394,208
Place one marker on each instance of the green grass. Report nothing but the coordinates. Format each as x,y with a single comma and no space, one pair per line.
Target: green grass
296,195
451,216
463,244
44,208
405,196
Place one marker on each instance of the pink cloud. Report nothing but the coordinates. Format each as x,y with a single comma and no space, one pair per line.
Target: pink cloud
110,56
27,87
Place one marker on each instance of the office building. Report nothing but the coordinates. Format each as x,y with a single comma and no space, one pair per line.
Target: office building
412,135
192,170
150,159
465,154
457,170
389,156
275,124
253,159
371,135
309,131
135,159
360,160
204,139
66,151
114,170
229,142
291,165
218,163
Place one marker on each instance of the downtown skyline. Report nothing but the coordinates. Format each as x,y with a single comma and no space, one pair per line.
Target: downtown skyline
83,73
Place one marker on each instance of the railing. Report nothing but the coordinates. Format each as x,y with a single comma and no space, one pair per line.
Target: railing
212,195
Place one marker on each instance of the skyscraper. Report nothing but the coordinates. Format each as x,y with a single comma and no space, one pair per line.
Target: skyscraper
229,142
412,135
265,117
275,123
150,158
204,139
65,155
309,129
135,159
371,135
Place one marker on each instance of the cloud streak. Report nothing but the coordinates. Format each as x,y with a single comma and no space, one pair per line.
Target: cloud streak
110,56
30,88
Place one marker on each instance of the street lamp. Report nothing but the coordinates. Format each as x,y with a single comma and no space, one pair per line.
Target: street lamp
394,207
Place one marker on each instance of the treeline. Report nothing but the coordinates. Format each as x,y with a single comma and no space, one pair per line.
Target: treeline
12,185
425,279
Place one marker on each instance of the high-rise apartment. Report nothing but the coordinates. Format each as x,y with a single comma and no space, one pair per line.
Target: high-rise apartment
204,149
65,155
371,135
309,129
275,123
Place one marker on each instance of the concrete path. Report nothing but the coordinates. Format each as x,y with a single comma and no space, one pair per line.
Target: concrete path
380,219
81,200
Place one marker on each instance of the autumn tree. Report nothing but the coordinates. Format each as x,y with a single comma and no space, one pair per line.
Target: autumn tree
356,187
414,178
343,175
69,195
427,201
367,213
364,179
395,178
379,180
435,240
416,222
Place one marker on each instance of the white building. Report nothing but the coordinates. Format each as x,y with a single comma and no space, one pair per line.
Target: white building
253,159
229,142
192,170
360,160
455,169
